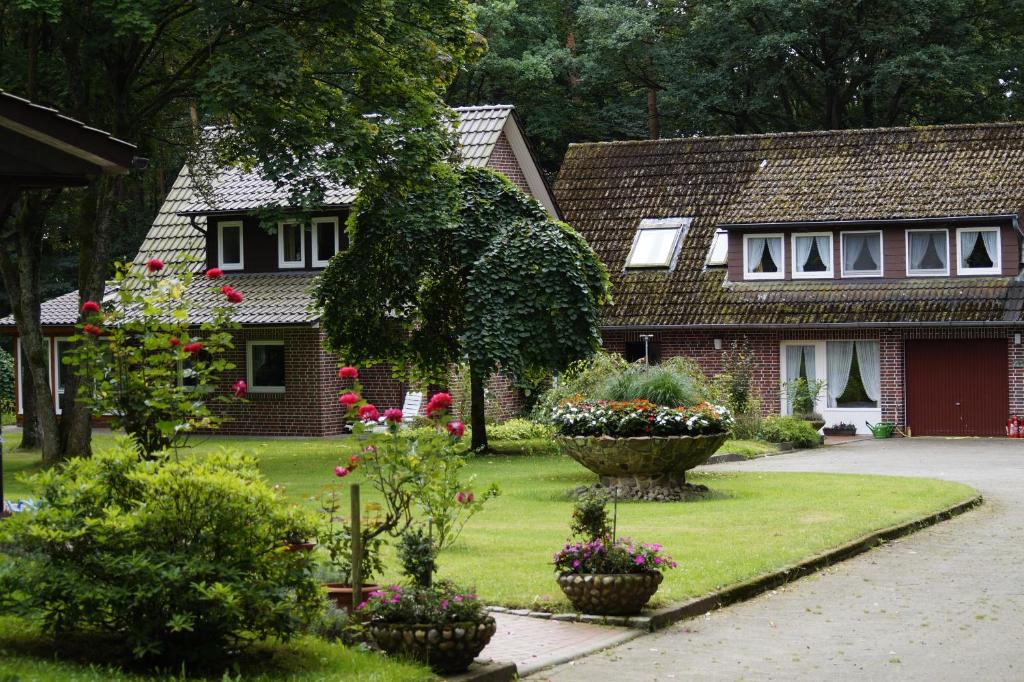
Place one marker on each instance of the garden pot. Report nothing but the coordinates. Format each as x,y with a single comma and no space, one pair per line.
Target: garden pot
447,648
847,431
300,546
613,594
643,461
341,594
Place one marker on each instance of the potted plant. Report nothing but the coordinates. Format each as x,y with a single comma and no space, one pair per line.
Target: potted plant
841,429
803,395
602,575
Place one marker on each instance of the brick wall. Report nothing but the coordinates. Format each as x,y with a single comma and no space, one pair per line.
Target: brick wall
503,159
503,399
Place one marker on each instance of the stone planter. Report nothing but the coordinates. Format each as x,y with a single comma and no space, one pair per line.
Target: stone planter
615,594
642,462
447,648
844,431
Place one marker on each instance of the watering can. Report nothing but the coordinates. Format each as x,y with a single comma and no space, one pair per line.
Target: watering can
881,429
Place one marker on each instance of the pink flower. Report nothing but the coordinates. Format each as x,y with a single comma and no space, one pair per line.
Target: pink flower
369,413
369,448
639,560
154,265
240,388
214,273
460,497
174,341
348,400
469,498
457,599
444,604
92,329
341,472
456,429
348,373
234,296
353,460
439,402
90,308
362,605
576,563
658,560
393,415
226,289
193,348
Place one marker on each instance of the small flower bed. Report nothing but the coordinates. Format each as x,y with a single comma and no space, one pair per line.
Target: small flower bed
600,556
438,604
578,417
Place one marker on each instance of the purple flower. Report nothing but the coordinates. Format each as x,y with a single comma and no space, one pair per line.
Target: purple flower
639,560
457,599
444,604
576,563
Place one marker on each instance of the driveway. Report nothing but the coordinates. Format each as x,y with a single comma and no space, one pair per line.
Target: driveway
946,603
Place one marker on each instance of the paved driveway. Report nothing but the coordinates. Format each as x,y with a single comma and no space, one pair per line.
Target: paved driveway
946,603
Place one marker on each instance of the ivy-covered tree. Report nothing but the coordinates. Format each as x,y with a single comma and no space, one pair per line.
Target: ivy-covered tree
468,269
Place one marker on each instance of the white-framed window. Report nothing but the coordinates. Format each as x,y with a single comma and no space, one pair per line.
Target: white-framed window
978,251
326,240
860,253
853,374
264,362
812,255
718,254
61,371
656,242
764,256
291,245
927,253
230,245
23,375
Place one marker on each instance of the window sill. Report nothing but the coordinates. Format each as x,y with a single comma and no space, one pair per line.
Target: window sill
755,276
813,275
266,391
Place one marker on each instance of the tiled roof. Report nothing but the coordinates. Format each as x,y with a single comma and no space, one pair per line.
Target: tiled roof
57,311
605,189
237,190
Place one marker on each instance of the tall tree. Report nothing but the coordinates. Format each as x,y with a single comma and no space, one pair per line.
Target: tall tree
295,79
467,269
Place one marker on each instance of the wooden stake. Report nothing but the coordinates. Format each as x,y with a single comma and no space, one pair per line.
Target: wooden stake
357,550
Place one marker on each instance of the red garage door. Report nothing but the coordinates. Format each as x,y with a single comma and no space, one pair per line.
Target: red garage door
957,388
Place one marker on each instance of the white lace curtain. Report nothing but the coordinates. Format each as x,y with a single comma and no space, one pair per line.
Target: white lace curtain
854,254
839,360
969,242
755,252
919,243
870,374
794,356
803,250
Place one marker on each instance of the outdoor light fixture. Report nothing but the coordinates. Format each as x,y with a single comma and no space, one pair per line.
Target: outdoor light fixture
647,347
718,344
1016,339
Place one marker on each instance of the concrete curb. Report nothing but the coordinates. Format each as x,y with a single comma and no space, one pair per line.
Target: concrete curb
565,657
487,672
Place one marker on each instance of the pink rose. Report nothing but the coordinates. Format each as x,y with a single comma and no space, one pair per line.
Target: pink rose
393,415
240,388
174,341
214,273
460,497
341,472
154,265
90,308
639,560
234,296
348,400
439,403
456,429
368,413
193,348
92,329
348,373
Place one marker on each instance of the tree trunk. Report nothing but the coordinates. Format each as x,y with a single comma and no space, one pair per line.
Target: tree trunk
29,421
477,409
653,124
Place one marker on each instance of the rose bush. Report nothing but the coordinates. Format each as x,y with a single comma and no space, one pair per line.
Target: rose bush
578,417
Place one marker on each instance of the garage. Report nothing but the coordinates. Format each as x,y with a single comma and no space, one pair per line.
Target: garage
957,388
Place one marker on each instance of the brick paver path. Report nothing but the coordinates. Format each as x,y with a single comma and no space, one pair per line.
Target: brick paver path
535,643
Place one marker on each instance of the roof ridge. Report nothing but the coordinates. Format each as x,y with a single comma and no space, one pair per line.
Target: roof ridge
793,134
481,107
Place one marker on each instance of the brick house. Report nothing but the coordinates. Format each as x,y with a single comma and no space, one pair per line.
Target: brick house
885,262
293,382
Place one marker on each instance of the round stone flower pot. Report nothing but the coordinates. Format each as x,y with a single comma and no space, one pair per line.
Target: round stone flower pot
642,462
447,648
612,594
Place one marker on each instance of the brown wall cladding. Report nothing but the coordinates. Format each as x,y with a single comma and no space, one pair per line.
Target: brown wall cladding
259,247
764,345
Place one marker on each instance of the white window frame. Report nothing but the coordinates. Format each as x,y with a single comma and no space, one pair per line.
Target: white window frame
925,273
851,274
240,265
681,227
289,264
252,387
19,397
781,274
721,236
58,368
997,262
319,262
826,274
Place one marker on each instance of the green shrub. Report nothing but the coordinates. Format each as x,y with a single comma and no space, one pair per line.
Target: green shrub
183,560
581,378
6,382
519,429
660,385
777,429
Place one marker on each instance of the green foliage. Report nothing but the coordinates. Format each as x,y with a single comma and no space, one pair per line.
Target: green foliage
153,370
590,520
802,394
7,400
776,429
334,624
734,388
660,385
335,537
183,560
580,378
519,430
418,555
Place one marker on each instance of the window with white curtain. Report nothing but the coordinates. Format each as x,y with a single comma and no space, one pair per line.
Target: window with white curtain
861,254
291,245
812,255
978,250
854,377
927,252
657,242
764,256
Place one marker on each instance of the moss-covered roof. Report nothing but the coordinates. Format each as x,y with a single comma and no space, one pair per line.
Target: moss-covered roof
605,189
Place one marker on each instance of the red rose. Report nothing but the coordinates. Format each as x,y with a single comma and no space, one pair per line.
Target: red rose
393,415
368,413
193,347
214,273
348,373
348,400
92,329
240,388
226,289
174,341
154,265
90,307
456,429
234,296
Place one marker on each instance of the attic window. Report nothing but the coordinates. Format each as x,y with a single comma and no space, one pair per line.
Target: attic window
657,242
718,254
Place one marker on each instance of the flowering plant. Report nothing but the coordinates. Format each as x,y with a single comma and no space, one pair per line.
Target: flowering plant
441,603
601,555
579,417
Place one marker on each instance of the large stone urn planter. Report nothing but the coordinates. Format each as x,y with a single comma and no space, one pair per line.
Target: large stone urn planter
643,462
614,594
447,648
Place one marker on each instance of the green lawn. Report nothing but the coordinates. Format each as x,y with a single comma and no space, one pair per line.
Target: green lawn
747,448
751,524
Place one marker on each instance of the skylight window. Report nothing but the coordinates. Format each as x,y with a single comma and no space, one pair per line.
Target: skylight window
657,242
718,254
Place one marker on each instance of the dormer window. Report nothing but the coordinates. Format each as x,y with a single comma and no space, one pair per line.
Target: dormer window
230,251
978,249
718,254
861,253
291,246
927,253
812,255
764,256
325,240
657,242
